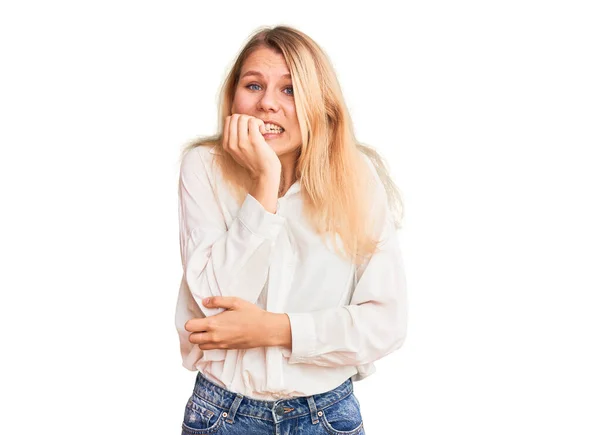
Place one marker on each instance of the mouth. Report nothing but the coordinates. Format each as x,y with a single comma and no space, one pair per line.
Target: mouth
273,130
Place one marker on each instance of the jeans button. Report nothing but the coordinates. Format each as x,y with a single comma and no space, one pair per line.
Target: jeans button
279,411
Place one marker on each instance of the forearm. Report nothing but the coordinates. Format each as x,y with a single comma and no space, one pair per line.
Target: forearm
265,191
279,331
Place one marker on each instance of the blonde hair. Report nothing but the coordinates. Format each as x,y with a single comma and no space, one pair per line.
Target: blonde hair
337,186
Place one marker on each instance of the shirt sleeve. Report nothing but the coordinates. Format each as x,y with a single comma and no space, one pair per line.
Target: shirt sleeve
216,260
373,324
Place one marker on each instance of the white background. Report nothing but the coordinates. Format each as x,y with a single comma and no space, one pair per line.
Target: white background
487,113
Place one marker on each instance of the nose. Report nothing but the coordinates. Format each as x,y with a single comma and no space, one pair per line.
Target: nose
268,101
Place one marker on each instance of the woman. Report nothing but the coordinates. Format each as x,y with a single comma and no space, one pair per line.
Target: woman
294,318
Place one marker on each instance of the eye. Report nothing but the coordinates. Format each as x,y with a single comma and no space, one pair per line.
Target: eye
290,93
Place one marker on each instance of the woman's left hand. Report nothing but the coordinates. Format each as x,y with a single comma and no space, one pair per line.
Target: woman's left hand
242,325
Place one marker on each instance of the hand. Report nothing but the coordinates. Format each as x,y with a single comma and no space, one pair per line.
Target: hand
242,325
243,139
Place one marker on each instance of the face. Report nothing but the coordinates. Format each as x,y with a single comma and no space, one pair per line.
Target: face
265,91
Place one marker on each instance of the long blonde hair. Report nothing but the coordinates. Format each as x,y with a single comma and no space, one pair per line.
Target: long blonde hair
337,187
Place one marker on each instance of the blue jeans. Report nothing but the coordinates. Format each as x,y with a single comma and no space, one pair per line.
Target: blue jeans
214,410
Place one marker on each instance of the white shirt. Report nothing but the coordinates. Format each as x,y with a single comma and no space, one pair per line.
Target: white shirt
342,318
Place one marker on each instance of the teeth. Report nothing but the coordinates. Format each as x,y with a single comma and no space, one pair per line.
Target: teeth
273,128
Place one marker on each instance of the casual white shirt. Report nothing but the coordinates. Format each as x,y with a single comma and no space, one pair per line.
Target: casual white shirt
342,317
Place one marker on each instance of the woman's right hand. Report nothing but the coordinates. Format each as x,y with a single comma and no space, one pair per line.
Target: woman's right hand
243,139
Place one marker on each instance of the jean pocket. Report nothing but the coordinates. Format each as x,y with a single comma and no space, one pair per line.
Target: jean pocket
343,417
201,417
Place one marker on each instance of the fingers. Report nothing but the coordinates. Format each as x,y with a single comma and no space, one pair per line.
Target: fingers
206,340
233,132
256,126
202,333
228,302
243,142
197,324
198,337
238,131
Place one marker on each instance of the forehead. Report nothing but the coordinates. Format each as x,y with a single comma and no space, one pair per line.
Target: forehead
265,62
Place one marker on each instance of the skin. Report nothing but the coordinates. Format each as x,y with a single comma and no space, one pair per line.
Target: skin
242,325
271,162
268,95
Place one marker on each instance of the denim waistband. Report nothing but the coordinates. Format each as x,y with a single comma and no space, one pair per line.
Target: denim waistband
272,410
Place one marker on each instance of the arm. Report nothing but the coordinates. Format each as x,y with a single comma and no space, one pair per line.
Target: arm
371,327
279,332
218,261
373,324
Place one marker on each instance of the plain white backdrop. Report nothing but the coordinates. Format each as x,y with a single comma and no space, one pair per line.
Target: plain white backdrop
487,114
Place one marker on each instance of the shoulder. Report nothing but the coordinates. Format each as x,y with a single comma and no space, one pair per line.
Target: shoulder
196,160
380,189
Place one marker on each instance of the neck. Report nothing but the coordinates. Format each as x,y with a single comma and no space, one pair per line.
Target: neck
288,171
285,182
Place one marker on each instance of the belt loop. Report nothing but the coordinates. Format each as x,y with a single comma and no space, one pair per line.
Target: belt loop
234,407
313,409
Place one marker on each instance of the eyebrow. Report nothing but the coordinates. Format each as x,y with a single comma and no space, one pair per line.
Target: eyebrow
257,73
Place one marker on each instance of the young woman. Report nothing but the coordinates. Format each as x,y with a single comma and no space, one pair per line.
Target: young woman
288,225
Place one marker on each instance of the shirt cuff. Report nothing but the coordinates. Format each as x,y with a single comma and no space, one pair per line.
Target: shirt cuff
258,220
304,336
